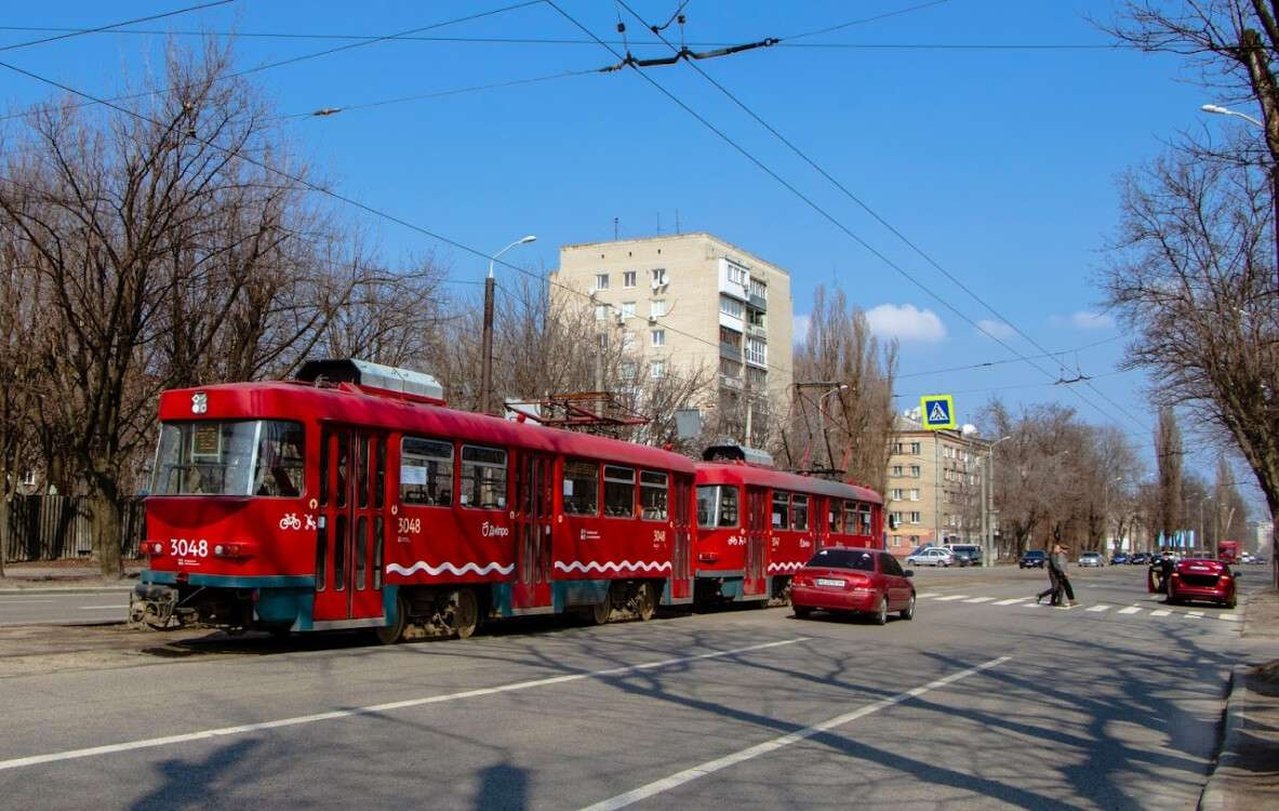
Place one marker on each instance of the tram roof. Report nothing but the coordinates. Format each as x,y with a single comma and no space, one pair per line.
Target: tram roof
347,405
741,473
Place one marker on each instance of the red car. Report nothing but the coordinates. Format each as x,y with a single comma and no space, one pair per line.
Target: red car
863,581
1202,579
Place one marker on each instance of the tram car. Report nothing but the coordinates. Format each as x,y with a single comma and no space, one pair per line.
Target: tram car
353,497
757,526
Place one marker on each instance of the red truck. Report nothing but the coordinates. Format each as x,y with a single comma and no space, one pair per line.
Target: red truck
1228,551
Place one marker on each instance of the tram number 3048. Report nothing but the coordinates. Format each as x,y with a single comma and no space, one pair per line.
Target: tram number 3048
184,548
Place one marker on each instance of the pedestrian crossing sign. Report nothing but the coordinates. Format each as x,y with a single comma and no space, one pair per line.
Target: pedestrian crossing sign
937,411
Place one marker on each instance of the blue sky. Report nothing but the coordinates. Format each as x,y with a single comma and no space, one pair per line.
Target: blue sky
989,133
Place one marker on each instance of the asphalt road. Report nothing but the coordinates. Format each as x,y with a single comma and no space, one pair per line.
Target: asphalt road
50,607
983,701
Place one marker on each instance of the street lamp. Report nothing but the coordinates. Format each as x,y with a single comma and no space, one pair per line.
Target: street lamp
486,362
821,422
987,530
1217,109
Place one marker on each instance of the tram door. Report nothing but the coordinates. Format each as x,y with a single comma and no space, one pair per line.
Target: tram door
682,548
757,524
533,506
350,526
821,520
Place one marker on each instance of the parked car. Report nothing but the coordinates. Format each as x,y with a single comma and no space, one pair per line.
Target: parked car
1120,559
1140,559
1091,559
1202,579
931,556
1033,559
966,554
864,581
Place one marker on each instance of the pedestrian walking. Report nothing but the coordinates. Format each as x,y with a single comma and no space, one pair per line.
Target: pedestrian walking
1053,592
1057,564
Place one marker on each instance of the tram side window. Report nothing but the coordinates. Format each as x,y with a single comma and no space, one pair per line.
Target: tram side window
863,519
850,518
781,510
653,495
279,470
619,491
581,487
483,477
426,471
799,512
833,512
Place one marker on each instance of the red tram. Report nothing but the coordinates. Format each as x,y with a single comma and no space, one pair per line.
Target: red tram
354,498
757,526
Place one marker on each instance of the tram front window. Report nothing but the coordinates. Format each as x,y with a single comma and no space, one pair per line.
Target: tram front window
240,458
716,506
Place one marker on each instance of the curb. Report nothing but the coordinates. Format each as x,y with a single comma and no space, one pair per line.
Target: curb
1214,794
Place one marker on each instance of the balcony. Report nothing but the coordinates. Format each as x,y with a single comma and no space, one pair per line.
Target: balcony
727,382
727,350
758,302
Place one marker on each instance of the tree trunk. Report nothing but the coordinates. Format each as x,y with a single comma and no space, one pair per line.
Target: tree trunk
107,521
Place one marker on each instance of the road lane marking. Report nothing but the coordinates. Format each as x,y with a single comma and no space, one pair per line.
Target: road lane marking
712,766
1195,614
927,595
1102,607
377,709
1160,612
15,602
1229,617
979,599
104,607
950,597
1011,602
1132,609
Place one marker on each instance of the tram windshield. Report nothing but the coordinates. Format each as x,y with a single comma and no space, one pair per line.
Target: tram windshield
240,458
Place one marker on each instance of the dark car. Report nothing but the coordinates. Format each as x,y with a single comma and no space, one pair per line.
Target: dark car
1140,559
1202,579
1033,559
1120,559
863,581
966,554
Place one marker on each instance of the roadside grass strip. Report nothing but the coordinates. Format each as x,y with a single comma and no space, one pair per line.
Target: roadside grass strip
381,709
767,747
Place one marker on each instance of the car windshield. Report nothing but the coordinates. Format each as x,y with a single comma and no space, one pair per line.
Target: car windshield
859,559
1035,553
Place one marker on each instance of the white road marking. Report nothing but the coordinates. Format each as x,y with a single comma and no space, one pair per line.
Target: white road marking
979,599
1161,612
1132,609
952,597
927,595
1013,601
712,766
1102,607
1229,617
378,709
1195,614
104,607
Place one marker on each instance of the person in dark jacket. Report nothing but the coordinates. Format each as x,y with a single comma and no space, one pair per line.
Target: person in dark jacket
1057,565
1053,592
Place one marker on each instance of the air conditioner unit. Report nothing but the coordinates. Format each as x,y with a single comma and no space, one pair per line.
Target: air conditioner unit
652,319
658,284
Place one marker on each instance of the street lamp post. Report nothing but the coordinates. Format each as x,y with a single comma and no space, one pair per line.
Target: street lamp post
486,359
1217,109
988,483
821,422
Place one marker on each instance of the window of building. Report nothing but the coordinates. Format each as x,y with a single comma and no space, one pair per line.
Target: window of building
731,307
658,308
601,312
619,491
483,477
914,494
897,470
658,275
658,337
426,471
756,351
914,448
601,281
758,288
653,495
657,369
897,541
581,487
895,494
915,471
627,371
628,309
915,517
628,278
736,274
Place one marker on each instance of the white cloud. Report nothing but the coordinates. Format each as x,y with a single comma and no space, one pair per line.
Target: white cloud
1085,320
905,323
996,329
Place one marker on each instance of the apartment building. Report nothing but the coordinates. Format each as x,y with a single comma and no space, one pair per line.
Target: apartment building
936,487
697,301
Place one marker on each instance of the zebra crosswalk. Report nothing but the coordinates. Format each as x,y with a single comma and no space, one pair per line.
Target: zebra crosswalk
1224,615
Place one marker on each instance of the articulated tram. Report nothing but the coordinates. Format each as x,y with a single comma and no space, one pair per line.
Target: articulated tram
353,497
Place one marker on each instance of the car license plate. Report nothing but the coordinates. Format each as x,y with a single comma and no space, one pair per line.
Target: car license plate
828,581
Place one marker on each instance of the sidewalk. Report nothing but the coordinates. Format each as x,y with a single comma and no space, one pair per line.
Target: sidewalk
63,575
1247,774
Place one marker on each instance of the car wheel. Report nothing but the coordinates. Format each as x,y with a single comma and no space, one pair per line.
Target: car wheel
802,611
881,616
1231,602
908,613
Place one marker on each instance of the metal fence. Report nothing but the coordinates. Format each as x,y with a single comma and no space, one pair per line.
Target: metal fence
61,527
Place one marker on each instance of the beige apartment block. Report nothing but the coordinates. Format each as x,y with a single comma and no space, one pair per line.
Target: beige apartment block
693,301
937,488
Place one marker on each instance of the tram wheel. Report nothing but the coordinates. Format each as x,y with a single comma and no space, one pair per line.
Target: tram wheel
646,602
463,613
393,632
602,610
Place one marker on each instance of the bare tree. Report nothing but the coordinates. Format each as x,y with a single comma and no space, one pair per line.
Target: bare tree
1195,269
851,428
1168,455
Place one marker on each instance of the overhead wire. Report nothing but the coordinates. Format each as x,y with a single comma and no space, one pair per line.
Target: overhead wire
76,32
878,218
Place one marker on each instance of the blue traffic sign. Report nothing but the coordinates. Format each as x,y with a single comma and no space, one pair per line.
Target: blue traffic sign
937,411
